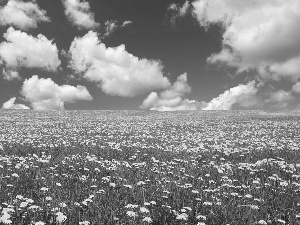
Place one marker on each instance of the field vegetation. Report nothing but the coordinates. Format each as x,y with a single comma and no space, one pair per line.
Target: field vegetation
133,167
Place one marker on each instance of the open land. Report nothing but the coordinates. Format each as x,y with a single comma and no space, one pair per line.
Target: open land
136,167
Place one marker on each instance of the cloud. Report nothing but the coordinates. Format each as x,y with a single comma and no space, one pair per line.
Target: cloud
171,99
242,95
79,14
176,11
279,99
10,75
126,23
116,71
296,88
44,94
253,38
23,50
10,104
110,27
22,15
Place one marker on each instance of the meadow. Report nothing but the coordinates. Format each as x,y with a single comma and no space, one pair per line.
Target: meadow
138,168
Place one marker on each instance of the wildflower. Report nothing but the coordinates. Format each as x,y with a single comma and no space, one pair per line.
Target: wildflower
262,222
48,198
144,210
112,184
23,204
44,189
60,217
201,217
147,219
207,203
182,216
58,184
140,183
62,204
131,214
281,221
84,223
201,223
39,223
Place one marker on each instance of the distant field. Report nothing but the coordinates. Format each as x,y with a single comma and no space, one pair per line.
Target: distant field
136,167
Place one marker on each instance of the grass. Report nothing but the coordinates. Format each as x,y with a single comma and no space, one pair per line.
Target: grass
138,168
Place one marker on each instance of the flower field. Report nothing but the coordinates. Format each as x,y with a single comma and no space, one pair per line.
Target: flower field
136,167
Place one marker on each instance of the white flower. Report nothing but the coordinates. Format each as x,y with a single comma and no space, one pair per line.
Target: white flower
147,219
131,214
58,184
44,189
39,223
84,223
182,216
144,210
60,217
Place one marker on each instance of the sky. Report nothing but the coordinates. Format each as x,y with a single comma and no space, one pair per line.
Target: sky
150,54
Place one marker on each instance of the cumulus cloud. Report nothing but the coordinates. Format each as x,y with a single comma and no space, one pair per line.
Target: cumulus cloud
22,15
176,11
10,75
116,71
254,38
171,99
10,104
23,50
44,94
242,95
79,14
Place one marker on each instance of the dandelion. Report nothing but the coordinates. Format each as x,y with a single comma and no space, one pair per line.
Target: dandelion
44,189
144,210
131,214
201,217
147,219
48,198
207,203
262,222
60,217
39,223
281,221
182,216
140,183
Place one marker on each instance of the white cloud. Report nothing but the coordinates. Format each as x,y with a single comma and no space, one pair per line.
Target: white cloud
22,15
279,99
10,104
10,75
110,27
44,94
23,50
258,34
115,70
243,95
178,11
171,99
126,23
296,88
79,14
